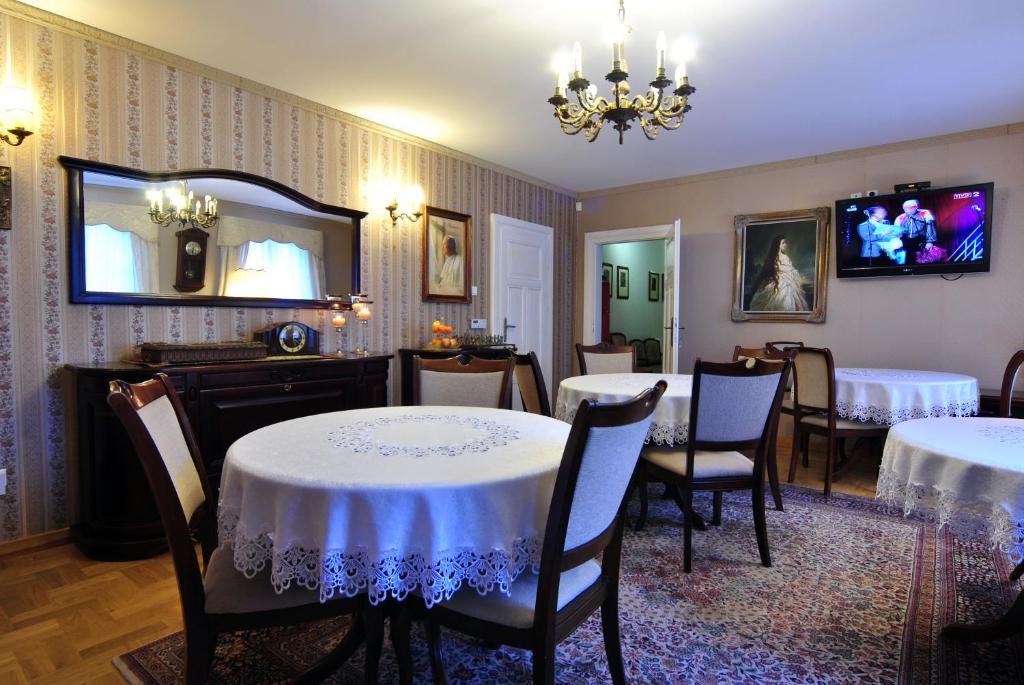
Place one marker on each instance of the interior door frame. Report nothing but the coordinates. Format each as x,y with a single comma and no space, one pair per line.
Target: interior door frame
495,273
592,268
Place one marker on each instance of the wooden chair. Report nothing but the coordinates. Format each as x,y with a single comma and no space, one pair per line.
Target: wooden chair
463,381
218,598
767,353
734,407
814,411
640,351
1013,380
605,358
782,345
652,351
530,379
584,521
617,339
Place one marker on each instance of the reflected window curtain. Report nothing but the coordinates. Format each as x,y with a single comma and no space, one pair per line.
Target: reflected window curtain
119,261
271,269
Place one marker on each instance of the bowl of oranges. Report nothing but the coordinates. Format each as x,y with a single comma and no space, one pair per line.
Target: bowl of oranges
443,336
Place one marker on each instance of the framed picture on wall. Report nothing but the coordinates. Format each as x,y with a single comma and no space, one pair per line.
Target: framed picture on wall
653,286
781,266
447,256
622,282
606,273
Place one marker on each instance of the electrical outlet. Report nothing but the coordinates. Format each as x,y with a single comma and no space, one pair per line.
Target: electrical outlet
474,290
3,481
856,196
478,323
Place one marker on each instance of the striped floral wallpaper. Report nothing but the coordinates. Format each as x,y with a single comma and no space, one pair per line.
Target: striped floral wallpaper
101,97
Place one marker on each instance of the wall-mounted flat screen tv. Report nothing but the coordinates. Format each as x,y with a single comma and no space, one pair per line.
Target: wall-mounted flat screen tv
933,231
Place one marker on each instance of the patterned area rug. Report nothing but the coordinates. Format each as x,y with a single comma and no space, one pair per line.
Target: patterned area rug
856,595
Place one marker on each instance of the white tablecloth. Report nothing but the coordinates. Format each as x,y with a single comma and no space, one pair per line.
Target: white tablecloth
965,470
671,417
892,395
391,500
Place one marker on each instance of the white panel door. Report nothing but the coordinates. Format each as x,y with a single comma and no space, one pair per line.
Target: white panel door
522,288
672,341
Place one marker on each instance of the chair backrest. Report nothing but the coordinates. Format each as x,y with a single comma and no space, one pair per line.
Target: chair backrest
605,358
735,405
780,345
463,381
1013,381
768,354
652,350
618,339
740,353
814,379
532,389
639,350
585,517
159,430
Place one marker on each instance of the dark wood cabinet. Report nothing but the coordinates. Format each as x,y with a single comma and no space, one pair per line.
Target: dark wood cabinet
406,354
115,514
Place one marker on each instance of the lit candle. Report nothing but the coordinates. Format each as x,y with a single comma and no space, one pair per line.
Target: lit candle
661,45
363,314
358,306
338,320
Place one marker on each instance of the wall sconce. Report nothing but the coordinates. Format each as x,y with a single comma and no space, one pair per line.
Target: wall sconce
406,204
16,114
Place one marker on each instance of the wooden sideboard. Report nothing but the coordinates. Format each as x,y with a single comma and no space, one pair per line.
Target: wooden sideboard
406,354
115,516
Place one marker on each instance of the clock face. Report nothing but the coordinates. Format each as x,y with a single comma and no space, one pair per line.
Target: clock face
192,248
292,338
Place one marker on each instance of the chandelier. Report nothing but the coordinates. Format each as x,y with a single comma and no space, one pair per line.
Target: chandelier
655,110
180,208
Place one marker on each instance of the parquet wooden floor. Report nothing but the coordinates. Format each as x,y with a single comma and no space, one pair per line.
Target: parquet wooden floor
63,617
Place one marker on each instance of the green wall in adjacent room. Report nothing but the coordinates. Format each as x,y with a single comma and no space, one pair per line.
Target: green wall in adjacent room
637,317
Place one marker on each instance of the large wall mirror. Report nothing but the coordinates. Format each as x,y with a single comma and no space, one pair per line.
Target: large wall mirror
204,237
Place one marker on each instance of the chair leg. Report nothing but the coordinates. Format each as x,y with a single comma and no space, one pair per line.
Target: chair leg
716,516
760,525
544,665
337,657
773,477
830,463
199,648
612,641
1018,571
687,498
641,483
401,624
797,438
806,447
436,653
373,626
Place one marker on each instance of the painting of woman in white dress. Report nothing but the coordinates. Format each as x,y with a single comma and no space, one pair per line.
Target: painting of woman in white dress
446,256
781,262
779,286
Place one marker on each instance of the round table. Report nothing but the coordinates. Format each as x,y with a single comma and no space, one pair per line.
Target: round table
889,396
671,417
964,471
392,500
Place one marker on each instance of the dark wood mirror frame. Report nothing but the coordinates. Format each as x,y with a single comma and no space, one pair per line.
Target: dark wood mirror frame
76,169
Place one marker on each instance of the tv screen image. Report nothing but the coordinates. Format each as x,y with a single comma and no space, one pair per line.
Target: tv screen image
933,231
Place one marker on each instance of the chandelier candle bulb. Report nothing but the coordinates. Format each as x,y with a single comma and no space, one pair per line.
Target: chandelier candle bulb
661,45
577,60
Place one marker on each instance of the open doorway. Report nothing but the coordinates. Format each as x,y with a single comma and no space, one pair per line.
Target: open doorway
632,299
597,305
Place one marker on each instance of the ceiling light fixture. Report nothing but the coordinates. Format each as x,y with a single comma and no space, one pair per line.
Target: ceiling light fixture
180,209
654,109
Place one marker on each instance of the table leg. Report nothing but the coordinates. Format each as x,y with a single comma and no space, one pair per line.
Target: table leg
401,626
1010,623
337,657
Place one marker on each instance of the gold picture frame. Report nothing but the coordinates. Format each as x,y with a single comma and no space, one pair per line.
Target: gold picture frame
447,256
782,266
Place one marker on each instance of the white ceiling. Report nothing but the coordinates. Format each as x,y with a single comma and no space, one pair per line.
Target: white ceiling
775,79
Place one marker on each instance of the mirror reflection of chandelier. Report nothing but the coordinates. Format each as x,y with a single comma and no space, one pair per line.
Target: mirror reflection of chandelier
180,208
654,109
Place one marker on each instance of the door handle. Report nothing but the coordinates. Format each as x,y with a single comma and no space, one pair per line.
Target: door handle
506,326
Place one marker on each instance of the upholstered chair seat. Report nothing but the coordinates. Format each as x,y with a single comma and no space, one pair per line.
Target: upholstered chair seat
706,464
516,609
841,424
229,592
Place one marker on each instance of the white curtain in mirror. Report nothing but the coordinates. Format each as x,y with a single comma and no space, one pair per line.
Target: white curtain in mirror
271,269
119,261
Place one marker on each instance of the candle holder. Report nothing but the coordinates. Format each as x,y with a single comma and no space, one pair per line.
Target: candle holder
362,349
339,321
